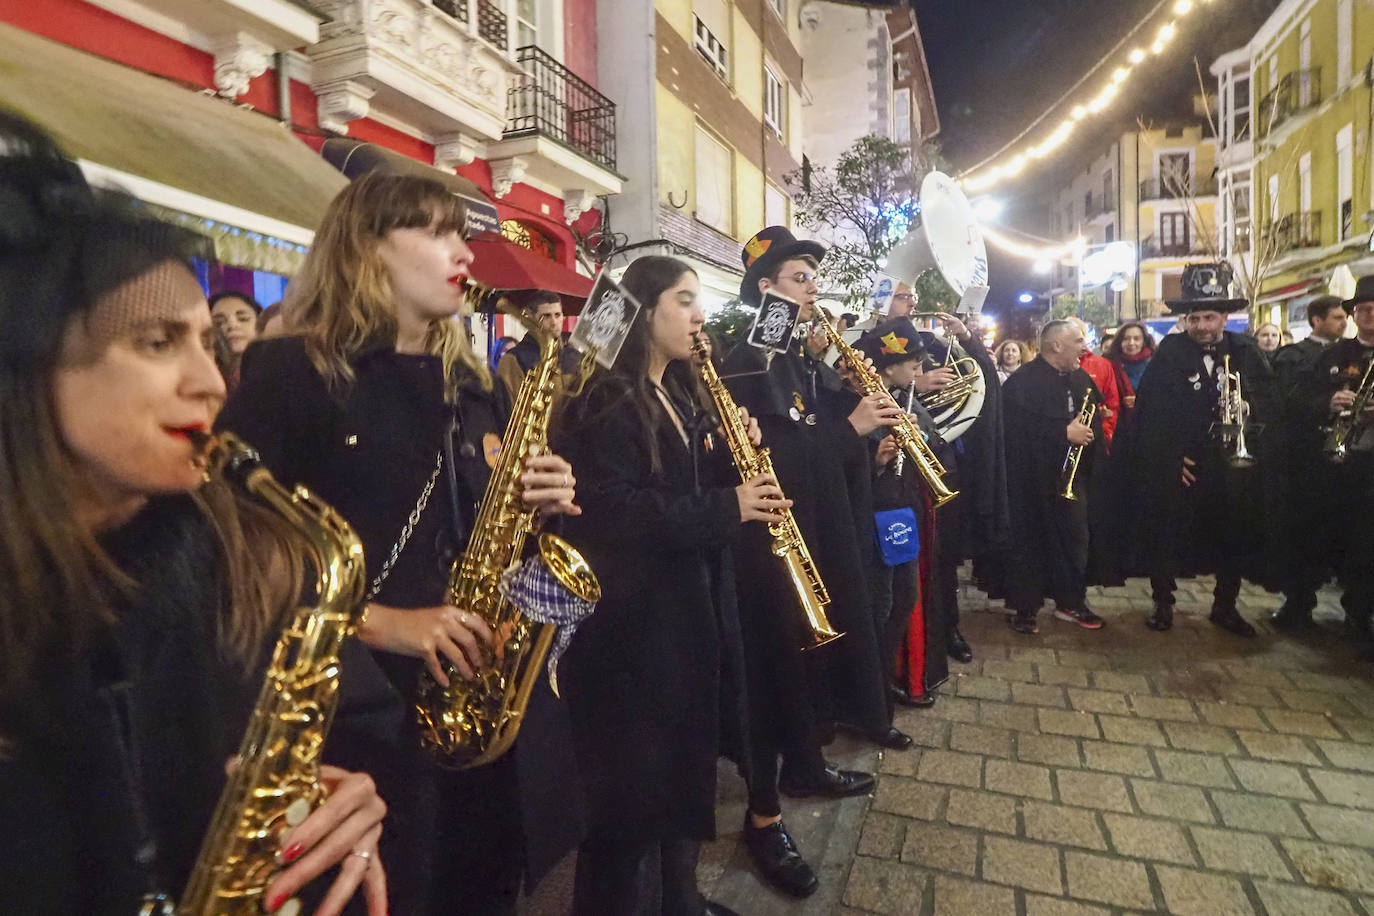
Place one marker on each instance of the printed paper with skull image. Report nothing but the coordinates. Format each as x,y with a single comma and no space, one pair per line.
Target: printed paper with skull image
774,324
605,321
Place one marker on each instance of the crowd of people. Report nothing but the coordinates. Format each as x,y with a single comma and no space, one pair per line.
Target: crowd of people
139,599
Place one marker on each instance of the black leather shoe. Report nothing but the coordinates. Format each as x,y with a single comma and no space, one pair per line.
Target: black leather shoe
958,647
892,739
833,783
1162,619
916,700
717,909
778,859
1229,619
1292,619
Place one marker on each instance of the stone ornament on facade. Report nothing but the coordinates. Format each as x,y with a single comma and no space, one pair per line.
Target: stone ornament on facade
576,202
454,150
505,173
239,59
341,102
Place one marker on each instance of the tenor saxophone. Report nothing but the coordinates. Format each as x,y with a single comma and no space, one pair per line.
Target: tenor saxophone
473,721
788,544
275,781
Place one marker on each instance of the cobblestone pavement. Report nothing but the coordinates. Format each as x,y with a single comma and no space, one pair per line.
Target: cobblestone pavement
1119,771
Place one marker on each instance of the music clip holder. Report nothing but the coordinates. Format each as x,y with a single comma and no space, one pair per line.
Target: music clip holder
971,302
775,324
605,321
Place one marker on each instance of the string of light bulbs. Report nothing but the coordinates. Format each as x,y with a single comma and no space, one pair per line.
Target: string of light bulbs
1052,252
981,177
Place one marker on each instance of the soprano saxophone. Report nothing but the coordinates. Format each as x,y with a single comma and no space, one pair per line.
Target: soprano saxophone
788,544
473,721
275,782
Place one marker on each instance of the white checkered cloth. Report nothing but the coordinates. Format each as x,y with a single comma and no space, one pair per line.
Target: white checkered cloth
534,591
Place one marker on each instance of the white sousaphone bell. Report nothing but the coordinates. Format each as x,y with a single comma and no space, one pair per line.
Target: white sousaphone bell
950,242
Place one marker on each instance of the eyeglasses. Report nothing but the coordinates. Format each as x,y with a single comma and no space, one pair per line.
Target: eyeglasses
903,297
800,277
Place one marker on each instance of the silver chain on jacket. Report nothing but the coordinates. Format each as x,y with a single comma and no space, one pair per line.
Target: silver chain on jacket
407,531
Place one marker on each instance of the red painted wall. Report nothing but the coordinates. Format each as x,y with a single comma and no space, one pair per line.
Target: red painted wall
579,38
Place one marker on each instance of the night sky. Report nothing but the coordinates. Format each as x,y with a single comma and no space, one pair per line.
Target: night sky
996,65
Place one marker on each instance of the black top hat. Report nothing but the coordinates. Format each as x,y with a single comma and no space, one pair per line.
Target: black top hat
895,340
1206,288
765,251
1364,292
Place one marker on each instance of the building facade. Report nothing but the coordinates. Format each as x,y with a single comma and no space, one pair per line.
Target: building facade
1296,154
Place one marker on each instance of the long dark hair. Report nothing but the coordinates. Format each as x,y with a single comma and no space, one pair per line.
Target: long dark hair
646,279
62,247
1114,350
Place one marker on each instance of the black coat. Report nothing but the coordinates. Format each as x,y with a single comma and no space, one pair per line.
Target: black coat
1174,412
67,806
369,450
654,679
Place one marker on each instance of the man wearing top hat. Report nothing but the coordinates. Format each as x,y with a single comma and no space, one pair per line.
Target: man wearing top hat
792,697
1336,378
1200,514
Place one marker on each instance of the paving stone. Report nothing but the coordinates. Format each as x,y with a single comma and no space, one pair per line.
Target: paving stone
1163,799
1126,730
1282,899
1318,701
1163,708
1005,715
1340,825
1016,862
1188,685
1051,749
1121,683
1361,730
1345,788
954,709
1348,756
1332,866
882,835
944,848
1248,853
1038,695
1272,779
924,730
1232,716
976,739
1301,723
983,688
985,810
1113,881
955,897
1247,694
1037,655
1078,659
1058,674
1258,674
908,797
1193,769
1066,826
1064,722
1093,790
1146,838
1009,671
1195,893
1208,738
1131,759
1308,680
1098,701
1018,779
901,763
950,767
1271,746
1057,906
1259,812
882,886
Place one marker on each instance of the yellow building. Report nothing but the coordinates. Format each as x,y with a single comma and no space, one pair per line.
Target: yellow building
1155,189
1296,153
710,127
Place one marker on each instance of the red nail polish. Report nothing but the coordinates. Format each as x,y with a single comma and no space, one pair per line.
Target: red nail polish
275,903
293,852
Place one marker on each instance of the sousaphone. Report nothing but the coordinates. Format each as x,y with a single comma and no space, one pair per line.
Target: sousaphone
948,241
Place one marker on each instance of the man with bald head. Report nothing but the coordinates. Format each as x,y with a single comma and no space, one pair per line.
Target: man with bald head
1049,556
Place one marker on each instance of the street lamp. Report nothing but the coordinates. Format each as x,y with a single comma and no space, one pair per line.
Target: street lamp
1109,264
1025,298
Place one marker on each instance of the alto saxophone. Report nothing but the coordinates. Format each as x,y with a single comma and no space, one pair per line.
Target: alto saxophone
473,721
1346,428
275,782
908,437
788,544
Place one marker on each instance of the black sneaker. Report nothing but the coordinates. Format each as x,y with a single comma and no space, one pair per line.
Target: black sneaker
1162,619
778,859
1024,623
1229,619
1083,617
1293,617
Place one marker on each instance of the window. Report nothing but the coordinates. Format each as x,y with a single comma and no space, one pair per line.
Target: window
1108,192
1345,180
1171,286
1110,234
774,102
1305,183
715,186
901,116
1175,174
713,34
1273,198
526,23
1173,233
779,7
775,206
1345,28
1306,86
1240,109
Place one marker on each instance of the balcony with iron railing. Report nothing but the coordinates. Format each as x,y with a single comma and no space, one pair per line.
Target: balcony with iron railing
1298,230
1171,189
1099,205
552,101
492,23
1296,92
1152,247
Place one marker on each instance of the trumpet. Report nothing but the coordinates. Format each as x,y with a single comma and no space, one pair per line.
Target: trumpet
1075,454
1235,416
1345,429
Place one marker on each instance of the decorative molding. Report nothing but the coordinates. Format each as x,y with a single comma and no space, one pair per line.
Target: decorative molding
341,102
576,202
455,149
239,59
809,16
505,173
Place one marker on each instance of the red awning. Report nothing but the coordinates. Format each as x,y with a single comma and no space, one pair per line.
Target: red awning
502,264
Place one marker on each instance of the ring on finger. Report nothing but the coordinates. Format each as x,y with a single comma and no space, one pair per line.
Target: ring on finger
364,854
